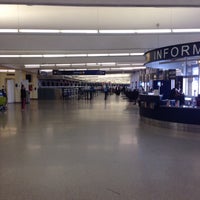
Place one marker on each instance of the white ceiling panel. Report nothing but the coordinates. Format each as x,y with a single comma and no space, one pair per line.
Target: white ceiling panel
58,17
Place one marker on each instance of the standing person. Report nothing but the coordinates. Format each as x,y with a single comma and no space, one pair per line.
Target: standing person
91,92
23,97
3,91
105,91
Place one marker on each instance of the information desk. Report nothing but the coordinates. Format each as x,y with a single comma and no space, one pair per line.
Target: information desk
151,107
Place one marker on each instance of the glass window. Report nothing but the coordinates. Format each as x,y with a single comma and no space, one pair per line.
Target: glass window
195,71
191,86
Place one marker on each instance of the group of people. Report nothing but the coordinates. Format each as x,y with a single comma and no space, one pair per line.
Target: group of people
3,99
22,95
3,91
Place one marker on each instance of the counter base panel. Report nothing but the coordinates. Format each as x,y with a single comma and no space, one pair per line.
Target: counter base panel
172,125
173,114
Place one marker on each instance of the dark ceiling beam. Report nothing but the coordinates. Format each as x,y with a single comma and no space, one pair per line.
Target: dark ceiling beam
107,3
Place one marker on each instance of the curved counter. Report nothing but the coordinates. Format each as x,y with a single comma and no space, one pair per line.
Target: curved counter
151,107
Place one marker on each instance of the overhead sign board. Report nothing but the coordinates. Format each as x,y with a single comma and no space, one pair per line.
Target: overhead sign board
79,72
173,52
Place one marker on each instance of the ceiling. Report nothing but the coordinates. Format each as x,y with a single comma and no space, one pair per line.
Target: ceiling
151,3
48,48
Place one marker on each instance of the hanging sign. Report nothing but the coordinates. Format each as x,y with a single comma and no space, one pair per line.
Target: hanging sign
79,72
173,52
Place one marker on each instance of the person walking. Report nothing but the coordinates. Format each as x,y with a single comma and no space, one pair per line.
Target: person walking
23,97
106,90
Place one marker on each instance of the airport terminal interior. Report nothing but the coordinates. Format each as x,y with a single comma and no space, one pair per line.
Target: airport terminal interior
96,119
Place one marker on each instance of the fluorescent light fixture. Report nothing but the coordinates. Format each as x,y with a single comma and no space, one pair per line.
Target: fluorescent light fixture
54,55
97,54
127,68
46,70
153,31
32,66
139,68
92,64
118,54
76,55
11,70
7,70
136,54
38,31
107,63
103,31
9,56
8,30
123,64
72,55
3,70
116,31
132,68
47,65
78,64
115,76
73,69
63,65
137,64
193,30
79,31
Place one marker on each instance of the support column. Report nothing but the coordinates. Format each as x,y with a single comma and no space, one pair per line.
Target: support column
19,78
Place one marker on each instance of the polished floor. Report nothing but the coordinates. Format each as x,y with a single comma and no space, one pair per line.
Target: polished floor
94,150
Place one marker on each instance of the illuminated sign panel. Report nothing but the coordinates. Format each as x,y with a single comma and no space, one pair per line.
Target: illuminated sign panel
173,52
79,72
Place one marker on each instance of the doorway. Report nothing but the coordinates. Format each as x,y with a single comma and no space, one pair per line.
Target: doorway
10,91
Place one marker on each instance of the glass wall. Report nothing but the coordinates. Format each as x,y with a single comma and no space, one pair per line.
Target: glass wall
191,81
